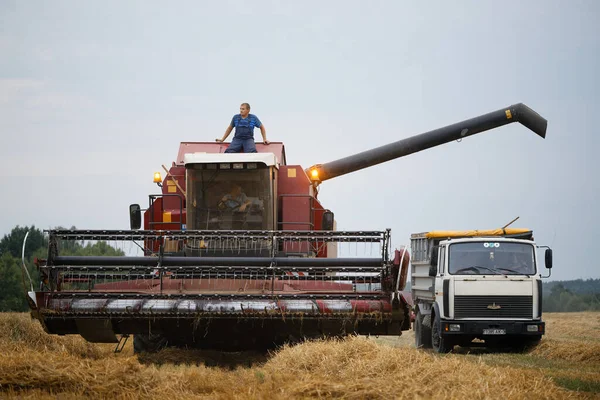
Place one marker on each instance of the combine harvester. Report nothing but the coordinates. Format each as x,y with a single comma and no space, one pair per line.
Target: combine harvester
214,273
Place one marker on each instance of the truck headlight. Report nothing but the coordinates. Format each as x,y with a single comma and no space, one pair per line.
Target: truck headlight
454,327
532,328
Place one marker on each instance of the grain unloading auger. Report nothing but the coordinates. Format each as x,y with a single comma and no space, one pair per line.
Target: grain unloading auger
237,252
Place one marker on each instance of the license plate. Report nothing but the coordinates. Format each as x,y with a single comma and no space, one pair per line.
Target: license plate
494,331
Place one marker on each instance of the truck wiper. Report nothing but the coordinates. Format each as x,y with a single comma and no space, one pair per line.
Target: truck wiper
495,271
513,271
476,269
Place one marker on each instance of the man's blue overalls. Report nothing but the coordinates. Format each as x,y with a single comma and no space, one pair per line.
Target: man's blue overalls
244,135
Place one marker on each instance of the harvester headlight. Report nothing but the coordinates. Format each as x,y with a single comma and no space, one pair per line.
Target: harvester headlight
314,174
157,177
238,165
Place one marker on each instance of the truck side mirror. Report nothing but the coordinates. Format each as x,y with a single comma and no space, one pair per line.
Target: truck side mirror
135,216
327,224
548,259
433,261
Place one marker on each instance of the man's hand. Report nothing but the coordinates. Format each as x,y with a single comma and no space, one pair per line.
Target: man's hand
243,207
227,132
263,132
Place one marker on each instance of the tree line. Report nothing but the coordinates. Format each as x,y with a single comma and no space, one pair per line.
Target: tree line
14,282
574,295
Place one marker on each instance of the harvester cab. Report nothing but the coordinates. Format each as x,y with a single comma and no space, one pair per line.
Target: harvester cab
238,252
228,192
231,191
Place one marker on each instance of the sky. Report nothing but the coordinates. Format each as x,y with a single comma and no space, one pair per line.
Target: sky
95,96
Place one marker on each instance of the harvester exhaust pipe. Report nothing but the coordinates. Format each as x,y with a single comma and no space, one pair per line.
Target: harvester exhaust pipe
515,113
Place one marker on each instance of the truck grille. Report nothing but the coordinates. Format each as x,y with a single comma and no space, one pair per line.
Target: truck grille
493,307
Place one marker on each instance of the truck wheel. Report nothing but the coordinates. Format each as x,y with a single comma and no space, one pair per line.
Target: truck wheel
422,332
530,342
439,343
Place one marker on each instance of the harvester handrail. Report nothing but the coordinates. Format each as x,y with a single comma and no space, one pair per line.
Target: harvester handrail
338,236
23,262
247,274
174,261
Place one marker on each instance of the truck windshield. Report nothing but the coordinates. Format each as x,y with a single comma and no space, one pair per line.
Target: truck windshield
229,199
485,258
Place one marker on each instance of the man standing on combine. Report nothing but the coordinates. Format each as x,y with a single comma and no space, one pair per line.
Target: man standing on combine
244,124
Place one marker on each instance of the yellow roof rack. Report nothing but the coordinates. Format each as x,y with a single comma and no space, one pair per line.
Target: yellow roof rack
476,233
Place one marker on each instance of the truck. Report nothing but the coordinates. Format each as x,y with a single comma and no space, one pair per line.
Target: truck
477,288
237,252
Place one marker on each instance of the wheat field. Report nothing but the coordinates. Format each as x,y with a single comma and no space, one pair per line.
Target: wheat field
566,364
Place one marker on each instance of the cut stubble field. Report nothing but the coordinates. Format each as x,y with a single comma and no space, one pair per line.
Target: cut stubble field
566,364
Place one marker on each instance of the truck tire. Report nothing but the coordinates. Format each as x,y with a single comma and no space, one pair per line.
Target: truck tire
439,343
427,321
422,331
529,343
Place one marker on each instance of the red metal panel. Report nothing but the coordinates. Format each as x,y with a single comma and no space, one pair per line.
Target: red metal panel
169,187
154,219
293,180
295,203
153,214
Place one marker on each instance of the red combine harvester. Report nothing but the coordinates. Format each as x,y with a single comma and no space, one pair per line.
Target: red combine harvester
237,253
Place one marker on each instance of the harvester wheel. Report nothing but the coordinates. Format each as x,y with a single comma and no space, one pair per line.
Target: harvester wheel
143,343
422,331
439,343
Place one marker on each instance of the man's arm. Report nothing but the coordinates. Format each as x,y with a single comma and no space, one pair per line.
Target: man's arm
227,132
245,202
263,132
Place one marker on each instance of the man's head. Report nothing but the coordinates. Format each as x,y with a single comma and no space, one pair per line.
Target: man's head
244,109
236,190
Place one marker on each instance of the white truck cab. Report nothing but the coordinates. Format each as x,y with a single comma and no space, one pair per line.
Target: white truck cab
483,285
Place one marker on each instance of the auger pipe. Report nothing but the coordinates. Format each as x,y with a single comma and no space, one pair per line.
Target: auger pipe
173,261
515,113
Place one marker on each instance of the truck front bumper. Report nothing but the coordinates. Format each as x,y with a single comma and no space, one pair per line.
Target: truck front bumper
493,328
